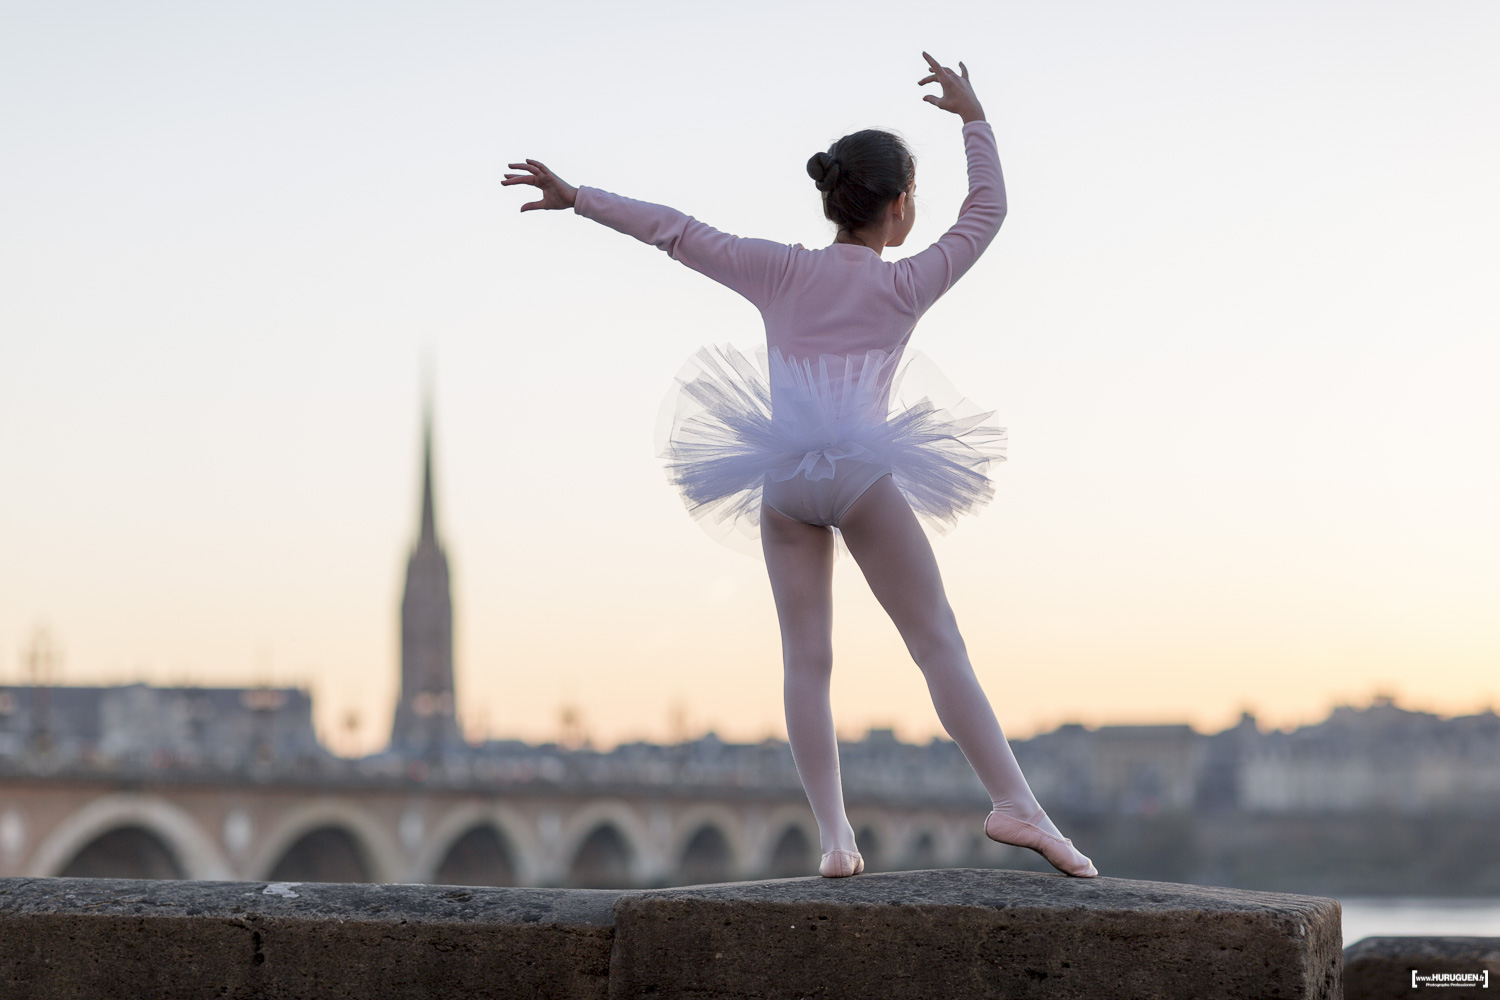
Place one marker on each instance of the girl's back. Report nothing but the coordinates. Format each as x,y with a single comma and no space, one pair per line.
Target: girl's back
841,299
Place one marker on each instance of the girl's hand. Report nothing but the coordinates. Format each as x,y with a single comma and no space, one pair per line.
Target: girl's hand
958,97
556,192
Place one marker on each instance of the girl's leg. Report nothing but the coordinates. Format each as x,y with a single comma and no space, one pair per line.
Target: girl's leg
896,558
799,560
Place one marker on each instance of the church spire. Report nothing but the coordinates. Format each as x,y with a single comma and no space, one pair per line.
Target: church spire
428,535
426,722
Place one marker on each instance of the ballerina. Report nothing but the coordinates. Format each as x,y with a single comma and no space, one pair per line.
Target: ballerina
804,446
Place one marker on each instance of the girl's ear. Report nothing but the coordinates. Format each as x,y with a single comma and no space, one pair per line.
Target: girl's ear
900,204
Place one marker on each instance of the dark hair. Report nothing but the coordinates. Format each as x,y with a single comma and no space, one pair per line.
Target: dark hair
860,175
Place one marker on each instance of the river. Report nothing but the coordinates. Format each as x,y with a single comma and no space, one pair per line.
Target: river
1417,916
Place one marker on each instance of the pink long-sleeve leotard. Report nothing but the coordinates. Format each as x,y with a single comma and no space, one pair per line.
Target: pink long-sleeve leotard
842,299
829,315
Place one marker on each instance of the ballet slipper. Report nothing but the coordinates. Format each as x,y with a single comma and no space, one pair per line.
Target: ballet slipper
839,863
1058,850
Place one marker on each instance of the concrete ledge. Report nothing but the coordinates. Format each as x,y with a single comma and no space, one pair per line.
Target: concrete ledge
949,933
1376,968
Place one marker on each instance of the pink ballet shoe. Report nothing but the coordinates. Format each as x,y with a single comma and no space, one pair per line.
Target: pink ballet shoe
1059,851
841,864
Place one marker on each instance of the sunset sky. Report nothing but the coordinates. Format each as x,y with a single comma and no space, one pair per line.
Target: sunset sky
1240,322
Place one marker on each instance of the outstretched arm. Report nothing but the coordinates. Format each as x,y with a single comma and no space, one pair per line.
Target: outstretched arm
933,271
752,267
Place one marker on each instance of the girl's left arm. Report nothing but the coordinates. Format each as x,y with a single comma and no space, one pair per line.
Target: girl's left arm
755,268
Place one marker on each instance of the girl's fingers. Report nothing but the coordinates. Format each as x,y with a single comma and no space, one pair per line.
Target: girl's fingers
938,68
964,68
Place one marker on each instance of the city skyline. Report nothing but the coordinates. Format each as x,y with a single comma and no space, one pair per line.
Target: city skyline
1237,322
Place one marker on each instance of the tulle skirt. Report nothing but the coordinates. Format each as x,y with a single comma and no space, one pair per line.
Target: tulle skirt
732,422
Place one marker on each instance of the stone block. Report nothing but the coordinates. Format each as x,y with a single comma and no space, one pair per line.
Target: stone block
91,938
957,934
1377,968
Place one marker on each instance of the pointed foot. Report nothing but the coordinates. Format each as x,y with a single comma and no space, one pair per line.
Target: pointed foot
1059,851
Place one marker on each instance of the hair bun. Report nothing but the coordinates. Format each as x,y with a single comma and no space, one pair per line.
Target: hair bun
824,170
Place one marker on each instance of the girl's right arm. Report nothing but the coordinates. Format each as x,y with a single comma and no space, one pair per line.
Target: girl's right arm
752,267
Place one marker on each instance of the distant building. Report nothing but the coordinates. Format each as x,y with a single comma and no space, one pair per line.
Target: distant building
1129,769
158,727
1382,757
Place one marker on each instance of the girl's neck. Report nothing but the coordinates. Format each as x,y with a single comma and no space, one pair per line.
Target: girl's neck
847,238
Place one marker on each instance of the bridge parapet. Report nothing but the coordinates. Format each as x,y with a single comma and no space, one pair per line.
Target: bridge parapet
953,933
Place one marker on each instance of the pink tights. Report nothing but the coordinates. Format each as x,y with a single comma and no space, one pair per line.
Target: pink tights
892,551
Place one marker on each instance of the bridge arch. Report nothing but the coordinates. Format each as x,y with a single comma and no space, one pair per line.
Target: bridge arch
369,838
584,829
871,838
791,845
515,833
125,852
711,861
194,851
707,858
922,849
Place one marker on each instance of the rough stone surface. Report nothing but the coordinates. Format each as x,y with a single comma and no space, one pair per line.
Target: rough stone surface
1376,968
950,934
961,933
121,937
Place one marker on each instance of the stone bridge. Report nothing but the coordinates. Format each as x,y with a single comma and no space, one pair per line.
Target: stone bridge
542,835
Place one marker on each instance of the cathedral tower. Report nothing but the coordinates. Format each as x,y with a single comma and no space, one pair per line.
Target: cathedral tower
426,723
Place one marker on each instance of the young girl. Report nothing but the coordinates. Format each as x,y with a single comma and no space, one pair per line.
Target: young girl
805,442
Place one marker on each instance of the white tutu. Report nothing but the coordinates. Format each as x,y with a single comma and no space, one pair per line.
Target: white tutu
732,420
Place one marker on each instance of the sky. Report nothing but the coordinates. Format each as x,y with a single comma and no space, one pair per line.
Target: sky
1239,322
